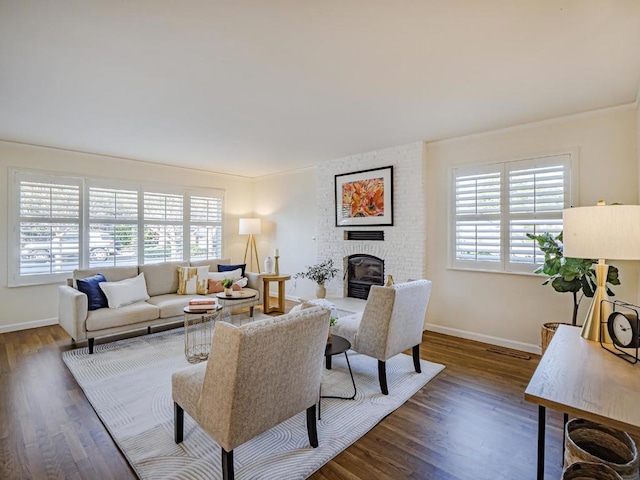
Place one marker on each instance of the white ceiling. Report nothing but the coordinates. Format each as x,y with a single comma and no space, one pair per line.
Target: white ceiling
264,86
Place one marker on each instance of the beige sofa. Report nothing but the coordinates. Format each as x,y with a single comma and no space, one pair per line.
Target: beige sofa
164,305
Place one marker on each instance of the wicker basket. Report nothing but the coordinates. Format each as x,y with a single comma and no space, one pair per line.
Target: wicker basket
589,471
547,332
587,441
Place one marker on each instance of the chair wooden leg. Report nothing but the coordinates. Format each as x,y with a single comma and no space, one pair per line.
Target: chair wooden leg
148,330
382,376
227,465
416,358
178,422
312,429
91,340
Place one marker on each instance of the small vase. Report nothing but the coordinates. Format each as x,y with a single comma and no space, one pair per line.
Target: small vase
228,292
389,281
268,265
321,292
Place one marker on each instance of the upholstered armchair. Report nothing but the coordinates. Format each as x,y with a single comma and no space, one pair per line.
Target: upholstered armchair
392,322
257,376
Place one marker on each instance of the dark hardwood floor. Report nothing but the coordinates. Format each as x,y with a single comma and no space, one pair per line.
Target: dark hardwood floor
469,423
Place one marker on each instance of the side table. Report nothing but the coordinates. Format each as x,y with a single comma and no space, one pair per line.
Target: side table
266,280
337,346
198,331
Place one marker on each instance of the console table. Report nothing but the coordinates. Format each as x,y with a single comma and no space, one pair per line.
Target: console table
580,378
266,279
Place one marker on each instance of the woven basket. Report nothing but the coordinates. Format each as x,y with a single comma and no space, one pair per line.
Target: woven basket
547,332
587,441
589,471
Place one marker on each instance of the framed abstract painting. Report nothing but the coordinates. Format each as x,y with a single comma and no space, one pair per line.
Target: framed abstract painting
364,198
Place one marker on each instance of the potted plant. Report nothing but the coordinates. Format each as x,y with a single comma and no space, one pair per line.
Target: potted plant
575,275
227,283
320,273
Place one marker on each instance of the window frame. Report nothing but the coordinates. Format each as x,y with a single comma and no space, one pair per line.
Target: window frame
17,175
505,265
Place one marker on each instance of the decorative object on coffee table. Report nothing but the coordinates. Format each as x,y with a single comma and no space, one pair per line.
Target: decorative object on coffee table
227,284
320,273
198,330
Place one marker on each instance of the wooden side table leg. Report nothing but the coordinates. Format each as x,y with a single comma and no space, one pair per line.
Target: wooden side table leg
281,296
265,296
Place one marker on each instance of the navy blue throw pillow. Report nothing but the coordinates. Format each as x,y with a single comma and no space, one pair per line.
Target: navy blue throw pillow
229,268
89,286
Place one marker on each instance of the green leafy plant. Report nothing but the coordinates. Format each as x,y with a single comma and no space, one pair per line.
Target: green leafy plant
573,275
332,321
319,273
227,283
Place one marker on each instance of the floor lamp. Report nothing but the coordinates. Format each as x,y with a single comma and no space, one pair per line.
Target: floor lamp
251,227
609,232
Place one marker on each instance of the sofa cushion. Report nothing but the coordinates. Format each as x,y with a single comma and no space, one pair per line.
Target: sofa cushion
192,280
229,268
171,304
212,263
125,292
162,278
130,314
91,288
112,274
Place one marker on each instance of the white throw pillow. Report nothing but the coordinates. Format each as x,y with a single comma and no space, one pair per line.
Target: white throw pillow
193,280
242,282
125,292
233,275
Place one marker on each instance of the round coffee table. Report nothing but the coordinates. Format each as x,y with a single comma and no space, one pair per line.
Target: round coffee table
241,298
337,346
198,331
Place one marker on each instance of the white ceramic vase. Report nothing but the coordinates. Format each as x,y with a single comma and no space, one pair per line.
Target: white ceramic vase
268,265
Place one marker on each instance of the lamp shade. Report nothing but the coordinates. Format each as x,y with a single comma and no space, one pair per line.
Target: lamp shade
250,226
602,232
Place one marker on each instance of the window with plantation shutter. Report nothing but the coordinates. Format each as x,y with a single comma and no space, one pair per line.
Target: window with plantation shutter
46,209
495,206
60,223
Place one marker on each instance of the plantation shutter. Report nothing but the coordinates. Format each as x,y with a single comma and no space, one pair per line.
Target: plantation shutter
477,217
163,227
48,207
205,215
113,225
538,192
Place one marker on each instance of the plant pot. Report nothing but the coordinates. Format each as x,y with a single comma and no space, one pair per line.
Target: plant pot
228,291
321,292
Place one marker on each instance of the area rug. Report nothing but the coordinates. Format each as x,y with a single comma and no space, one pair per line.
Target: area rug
129,385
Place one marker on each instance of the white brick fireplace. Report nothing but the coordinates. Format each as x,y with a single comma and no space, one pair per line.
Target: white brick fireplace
404,246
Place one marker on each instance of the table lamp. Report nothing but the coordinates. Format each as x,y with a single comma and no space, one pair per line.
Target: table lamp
251,227
609,232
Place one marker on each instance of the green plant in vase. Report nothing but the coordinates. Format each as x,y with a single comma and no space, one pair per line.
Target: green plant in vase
320,273
575,275
227,283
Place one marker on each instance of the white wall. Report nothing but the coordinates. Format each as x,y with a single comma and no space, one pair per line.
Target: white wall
26,307
509,309
403,249
287,205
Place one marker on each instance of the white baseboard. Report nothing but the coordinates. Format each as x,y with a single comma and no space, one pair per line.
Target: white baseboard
14,327
479,337
293,298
